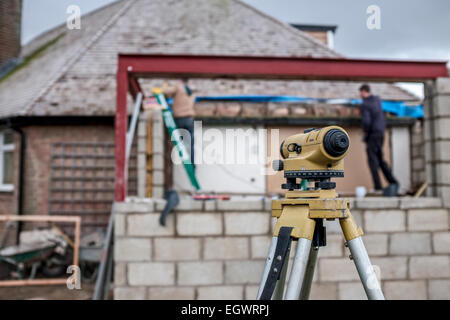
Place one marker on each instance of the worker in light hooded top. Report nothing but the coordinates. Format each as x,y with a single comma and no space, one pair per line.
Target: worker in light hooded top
183,109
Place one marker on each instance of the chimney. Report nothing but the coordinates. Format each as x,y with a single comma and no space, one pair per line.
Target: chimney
323,33
10,29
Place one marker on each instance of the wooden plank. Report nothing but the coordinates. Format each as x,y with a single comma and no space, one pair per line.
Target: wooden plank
149,164
76,249
33,282
39,218
149,136
80,212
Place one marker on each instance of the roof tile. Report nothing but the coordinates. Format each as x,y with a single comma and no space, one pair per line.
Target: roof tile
76,76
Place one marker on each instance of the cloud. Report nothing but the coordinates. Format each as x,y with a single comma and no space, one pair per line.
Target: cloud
414,29
40,16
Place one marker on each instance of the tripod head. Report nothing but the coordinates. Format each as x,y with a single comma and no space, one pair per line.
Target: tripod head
315,155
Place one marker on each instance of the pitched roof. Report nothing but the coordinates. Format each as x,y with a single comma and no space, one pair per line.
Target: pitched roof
72,72
50,54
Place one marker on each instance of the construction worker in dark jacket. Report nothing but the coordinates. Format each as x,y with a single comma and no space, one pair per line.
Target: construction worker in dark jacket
374,125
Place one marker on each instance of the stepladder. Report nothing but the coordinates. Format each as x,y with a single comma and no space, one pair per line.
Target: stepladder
300,216
176,138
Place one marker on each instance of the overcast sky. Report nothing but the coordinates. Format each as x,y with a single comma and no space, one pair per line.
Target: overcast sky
409,29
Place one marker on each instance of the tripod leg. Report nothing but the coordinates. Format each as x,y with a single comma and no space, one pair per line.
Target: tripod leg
359,254
298,269
279,289
269,260
365,269
310,267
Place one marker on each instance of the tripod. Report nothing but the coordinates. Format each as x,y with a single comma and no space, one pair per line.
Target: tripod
300,218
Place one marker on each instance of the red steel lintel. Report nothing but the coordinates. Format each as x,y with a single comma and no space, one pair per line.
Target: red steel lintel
252,67
282,67
121,124
135,87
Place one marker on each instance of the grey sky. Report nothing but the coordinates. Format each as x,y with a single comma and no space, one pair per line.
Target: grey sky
410,29
414,29
41,15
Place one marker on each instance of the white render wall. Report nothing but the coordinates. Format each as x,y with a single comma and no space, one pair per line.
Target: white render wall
401,157
222,168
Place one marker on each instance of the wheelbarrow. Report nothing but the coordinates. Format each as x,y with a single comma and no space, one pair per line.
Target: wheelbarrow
22,257
23,260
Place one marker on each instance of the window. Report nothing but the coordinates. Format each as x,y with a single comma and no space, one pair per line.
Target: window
6,161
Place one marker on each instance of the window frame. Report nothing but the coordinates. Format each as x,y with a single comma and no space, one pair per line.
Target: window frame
4,187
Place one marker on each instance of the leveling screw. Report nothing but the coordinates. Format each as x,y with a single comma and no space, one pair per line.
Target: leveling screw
351,257
275,270
279,258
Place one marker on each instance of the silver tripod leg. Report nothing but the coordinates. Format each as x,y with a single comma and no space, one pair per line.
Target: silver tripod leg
365,269
298,269
310,267
269,260
279,289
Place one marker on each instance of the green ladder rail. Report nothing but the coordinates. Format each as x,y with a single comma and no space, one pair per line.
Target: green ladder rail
176,137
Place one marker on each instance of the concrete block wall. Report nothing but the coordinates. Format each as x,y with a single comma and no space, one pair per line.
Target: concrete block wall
437,138
217,250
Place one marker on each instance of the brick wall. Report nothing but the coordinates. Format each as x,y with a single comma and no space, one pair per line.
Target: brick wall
216,250
38,151
10,29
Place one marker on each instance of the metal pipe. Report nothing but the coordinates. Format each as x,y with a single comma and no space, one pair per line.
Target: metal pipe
365,269
21,185
104,274
103,268
132,128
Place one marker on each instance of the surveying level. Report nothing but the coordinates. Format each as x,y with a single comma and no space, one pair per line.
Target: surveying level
315,156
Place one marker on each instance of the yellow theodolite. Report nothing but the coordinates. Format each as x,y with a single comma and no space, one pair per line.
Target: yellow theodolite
317,155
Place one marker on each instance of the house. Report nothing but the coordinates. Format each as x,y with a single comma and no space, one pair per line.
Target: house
57,106
57,139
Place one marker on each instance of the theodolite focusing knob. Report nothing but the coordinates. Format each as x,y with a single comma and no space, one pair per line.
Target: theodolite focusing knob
277,165
309,130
